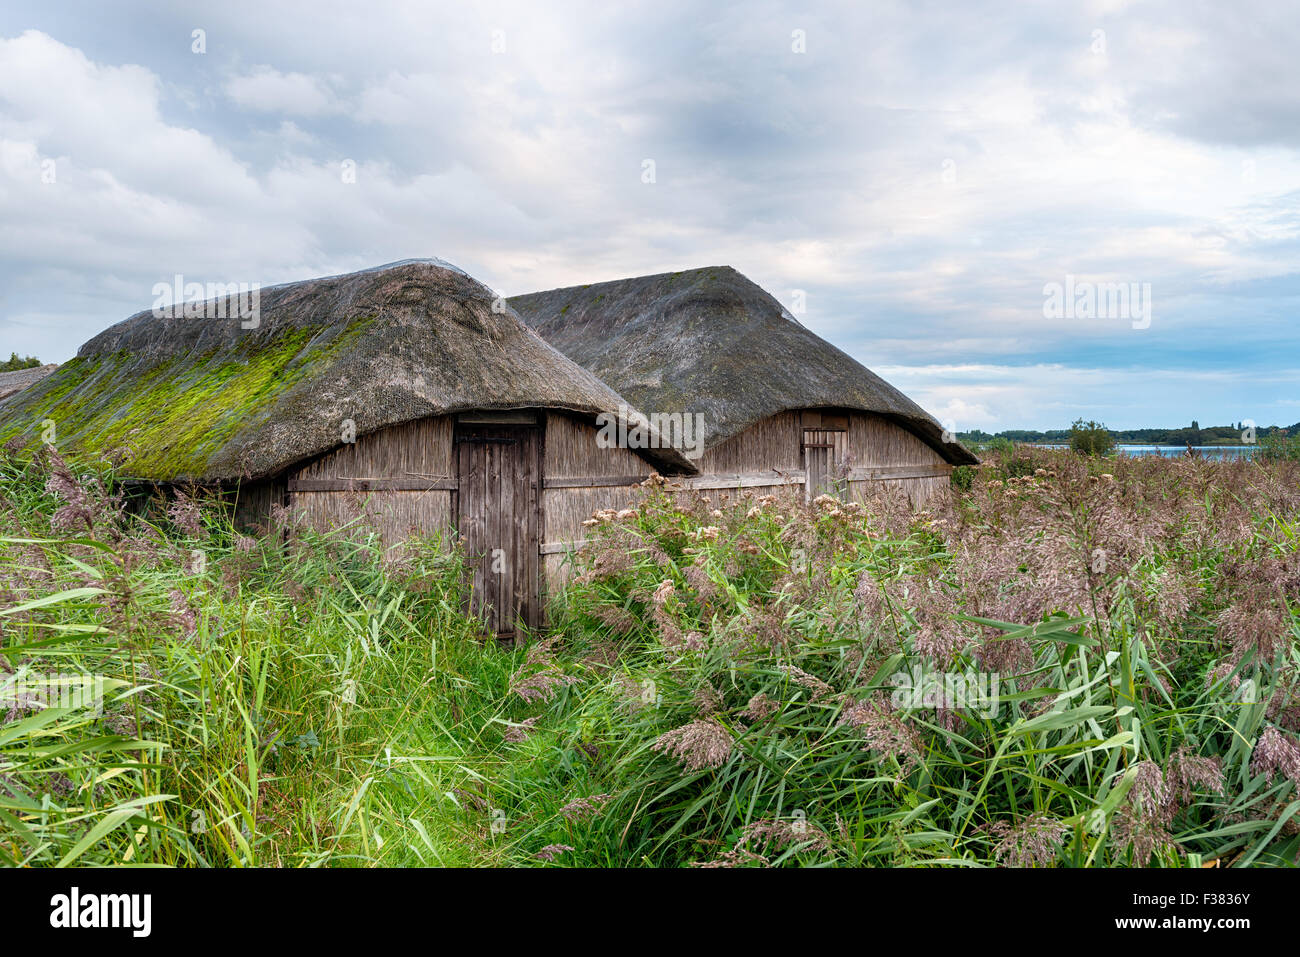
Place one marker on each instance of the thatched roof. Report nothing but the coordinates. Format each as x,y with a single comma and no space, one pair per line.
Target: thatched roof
13,382
203,399
711,341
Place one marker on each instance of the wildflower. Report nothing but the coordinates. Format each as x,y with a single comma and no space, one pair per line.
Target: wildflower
700,745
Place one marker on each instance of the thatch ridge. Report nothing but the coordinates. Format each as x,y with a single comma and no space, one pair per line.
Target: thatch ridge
188,398
712,341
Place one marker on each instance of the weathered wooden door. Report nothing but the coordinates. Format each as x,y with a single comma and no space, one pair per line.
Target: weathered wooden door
823,453
499,470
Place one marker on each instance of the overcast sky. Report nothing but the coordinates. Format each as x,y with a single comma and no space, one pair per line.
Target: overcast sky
921,171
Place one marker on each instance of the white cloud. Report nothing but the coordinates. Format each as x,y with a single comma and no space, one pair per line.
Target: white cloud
822,171
266,90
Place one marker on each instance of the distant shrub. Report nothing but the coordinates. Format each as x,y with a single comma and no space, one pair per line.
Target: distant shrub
16,362
1277,446
996,445
1090,438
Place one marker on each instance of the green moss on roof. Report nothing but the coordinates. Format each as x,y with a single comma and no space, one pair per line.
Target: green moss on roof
168,422
189,398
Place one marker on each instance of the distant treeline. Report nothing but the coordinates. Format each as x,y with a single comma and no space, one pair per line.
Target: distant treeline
1193,434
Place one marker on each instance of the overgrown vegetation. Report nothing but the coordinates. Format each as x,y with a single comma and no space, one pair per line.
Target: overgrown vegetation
16,362
735,682
1232,434
1090,438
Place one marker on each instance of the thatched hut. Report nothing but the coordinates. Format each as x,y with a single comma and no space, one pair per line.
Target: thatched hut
779,405
408,393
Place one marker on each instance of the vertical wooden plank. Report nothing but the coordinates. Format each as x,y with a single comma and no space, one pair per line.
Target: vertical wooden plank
504,530
537,530
486,502
499,507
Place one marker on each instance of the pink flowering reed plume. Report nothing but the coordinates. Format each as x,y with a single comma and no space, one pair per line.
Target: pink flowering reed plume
583,808
520,732
699,746
886,732
760,706
551,851
1031,843
540,677
1276,754
803,679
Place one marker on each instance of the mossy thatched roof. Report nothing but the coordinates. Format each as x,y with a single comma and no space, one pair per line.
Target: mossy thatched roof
205,400
711,341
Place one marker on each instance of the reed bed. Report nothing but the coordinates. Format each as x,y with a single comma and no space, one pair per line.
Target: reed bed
1066,662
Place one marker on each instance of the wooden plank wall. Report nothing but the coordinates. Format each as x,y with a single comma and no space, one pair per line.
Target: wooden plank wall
420,451
876,443
772,444
580,478
572,453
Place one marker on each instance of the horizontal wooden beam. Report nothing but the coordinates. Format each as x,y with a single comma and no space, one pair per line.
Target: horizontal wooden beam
887,472
744,479
717,480
559,548
595,481
372,485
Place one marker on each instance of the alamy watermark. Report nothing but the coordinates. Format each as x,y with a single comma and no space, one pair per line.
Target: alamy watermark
1098,300
918,689
30,691
629,429
214,300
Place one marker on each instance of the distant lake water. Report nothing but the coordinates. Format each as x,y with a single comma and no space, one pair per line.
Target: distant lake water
1175,451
